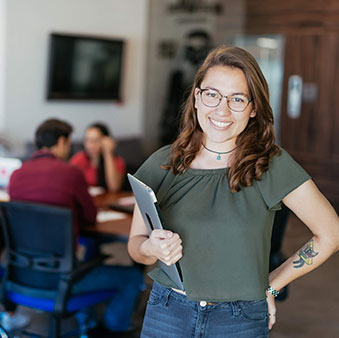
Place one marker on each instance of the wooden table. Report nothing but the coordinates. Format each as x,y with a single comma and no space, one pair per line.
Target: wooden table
120,227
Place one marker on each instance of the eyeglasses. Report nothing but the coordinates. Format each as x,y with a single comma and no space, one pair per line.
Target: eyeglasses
212,98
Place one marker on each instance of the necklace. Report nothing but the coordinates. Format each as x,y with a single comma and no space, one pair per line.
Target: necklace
219,152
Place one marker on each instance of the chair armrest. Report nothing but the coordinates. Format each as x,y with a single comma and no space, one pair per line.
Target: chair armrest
66,281
83,268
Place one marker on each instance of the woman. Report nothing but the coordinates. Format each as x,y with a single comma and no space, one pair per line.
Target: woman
98,162
218,187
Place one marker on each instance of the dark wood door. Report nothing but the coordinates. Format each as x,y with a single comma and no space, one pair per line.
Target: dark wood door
313,138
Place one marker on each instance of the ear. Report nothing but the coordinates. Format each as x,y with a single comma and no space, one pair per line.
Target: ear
196,93
61,141
253,113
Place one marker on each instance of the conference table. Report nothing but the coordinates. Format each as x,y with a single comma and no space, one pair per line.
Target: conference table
112,223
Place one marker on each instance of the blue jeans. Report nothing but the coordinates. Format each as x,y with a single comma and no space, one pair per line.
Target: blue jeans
170,315
127,281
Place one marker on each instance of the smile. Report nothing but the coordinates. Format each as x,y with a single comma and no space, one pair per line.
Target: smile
220,124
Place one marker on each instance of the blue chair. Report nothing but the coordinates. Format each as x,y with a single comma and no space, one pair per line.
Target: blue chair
41,266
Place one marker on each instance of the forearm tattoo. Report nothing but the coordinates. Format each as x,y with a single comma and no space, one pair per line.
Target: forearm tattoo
306,255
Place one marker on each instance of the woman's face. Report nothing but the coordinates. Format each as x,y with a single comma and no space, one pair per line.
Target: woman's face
220,124
92,142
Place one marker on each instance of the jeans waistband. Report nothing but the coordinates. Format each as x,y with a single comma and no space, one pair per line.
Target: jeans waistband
168,293
184,294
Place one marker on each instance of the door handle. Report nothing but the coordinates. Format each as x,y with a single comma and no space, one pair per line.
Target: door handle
294,96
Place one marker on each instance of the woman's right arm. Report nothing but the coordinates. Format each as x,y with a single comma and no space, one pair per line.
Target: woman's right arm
161,244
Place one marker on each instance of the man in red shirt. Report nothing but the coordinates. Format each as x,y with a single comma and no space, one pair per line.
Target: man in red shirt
47,178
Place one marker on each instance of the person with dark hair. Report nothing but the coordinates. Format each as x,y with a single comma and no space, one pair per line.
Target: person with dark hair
218,187
99,163
196,46
52,134
47,178
49,132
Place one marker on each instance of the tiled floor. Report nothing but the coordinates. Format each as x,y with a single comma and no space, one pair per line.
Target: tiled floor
311,309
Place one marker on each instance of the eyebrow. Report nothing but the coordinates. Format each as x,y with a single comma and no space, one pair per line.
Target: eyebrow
236,93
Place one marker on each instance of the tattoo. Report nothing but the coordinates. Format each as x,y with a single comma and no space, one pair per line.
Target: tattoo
306,255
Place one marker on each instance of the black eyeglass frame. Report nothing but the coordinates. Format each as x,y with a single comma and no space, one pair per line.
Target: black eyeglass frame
201,90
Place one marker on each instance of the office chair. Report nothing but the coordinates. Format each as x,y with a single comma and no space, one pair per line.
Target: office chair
41,266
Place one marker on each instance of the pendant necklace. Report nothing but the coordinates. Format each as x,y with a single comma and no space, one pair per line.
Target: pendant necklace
219,152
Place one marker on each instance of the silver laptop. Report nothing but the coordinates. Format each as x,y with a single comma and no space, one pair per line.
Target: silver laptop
7,166
146,201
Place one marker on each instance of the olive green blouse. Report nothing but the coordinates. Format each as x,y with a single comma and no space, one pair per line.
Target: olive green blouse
225,236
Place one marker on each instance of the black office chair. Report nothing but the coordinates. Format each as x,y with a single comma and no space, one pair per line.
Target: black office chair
41,266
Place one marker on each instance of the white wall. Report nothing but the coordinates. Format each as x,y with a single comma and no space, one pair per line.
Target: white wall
167,26
29,24
2,62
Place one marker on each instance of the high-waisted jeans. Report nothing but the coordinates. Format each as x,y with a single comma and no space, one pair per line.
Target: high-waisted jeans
171,315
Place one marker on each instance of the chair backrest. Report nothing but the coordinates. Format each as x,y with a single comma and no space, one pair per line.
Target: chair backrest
39,240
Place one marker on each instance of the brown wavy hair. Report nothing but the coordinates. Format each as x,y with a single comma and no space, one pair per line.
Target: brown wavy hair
255,145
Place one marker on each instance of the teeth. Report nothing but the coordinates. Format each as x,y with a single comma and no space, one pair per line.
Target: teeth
221,124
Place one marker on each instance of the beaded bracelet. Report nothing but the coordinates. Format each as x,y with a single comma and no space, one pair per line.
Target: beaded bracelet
273,291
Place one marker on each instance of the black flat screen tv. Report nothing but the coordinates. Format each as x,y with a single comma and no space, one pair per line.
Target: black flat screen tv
84,68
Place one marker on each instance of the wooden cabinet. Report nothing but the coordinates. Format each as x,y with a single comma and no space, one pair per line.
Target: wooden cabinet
311,31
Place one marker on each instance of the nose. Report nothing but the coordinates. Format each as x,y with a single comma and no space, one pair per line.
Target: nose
222,108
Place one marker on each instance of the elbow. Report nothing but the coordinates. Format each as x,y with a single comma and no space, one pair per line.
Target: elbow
331,242
132,250
337,246
334,242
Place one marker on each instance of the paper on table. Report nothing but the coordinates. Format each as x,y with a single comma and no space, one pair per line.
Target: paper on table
4,195
94,191
127,200
105,216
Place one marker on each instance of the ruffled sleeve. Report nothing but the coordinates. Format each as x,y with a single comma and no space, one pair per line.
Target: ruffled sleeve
151,172
283,176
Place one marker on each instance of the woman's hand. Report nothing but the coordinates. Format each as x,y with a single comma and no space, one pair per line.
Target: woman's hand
163,245
271,309
108,145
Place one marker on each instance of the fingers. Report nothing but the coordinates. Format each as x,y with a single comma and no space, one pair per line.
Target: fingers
172,255
171,251
272,320
169,260
271,310
163,234
166,246
107,144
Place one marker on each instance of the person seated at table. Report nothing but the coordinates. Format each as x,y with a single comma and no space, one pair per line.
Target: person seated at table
48,178
11,319
98,161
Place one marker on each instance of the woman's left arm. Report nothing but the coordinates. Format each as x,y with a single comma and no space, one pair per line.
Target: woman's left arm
312,208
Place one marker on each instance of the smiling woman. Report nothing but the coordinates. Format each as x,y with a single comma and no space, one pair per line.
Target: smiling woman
218,187
243,122
218,119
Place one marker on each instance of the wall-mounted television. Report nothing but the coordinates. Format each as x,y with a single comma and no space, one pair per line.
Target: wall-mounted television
84,68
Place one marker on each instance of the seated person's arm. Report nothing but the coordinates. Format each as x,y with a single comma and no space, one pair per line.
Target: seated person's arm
114,177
